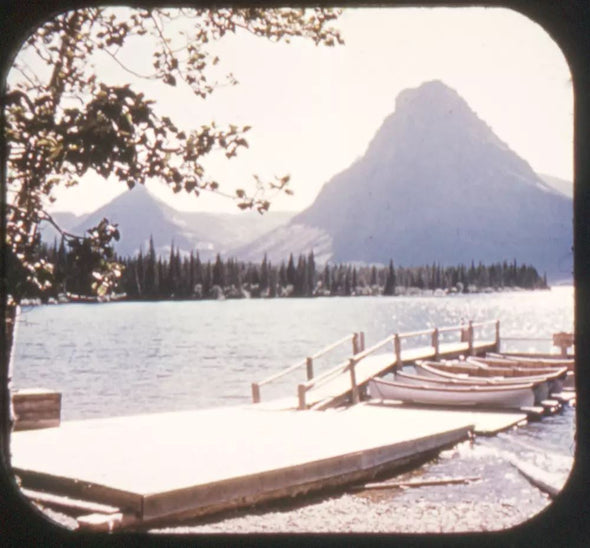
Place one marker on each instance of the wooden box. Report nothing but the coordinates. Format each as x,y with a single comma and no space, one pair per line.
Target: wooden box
36,408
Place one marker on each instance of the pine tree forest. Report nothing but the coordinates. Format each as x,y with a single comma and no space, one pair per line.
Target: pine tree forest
148,276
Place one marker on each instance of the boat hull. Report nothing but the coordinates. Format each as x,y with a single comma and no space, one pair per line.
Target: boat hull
540,387
503,397
543,385
555,377
534,361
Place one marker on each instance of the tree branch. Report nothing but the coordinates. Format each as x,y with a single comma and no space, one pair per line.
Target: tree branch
127,69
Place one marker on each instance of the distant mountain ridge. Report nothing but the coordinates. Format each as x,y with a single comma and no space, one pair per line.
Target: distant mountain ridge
140,215
435,185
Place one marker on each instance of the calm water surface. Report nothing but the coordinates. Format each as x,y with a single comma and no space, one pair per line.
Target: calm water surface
128,358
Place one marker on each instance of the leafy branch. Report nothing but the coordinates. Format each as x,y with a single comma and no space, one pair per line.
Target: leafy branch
62,124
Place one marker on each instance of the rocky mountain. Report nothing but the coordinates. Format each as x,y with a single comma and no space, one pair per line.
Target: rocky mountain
561,185
435,185
140,215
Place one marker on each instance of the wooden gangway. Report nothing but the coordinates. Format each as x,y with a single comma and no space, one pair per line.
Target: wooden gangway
346,380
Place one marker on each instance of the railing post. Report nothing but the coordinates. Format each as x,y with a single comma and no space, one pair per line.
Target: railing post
435,343
362,335
397,346
301,395
497,336
355,390
309,367
464,332
470,338
355,344
255,393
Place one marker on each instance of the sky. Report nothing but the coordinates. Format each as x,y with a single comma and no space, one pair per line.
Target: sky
313,109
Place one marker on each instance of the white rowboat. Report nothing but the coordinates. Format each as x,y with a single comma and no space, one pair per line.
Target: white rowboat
506,397
540,386
533,361
554,377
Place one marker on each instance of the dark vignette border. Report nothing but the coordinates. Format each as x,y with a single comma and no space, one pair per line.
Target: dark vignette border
566,522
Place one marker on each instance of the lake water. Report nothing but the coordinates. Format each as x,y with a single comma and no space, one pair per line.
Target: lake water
133,357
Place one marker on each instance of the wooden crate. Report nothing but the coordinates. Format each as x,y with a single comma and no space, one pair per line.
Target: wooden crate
36,408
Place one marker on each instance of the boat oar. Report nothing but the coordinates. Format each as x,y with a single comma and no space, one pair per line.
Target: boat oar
416,483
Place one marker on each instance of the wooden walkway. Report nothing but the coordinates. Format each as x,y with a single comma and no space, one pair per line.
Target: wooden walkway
345,381
339,388
155,469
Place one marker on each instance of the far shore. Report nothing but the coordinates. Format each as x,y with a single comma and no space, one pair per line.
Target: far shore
233,294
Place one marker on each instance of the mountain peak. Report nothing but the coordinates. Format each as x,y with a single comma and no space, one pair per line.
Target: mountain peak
434,93
137,197
140,216
430,119
435,184
437,105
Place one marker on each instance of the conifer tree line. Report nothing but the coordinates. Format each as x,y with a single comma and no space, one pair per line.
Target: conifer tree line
148,276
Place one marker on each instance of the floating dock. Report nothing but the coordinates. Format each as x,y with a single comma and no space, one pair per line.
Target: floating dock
153,469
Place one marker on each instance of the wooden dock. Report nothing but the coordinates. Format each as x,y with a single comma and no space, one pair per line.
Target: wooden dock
149,470
154,469
345,381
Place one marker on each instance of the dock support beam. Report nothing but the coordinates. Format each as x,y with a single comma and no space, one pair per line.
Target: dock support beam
497,336
309,368
470,338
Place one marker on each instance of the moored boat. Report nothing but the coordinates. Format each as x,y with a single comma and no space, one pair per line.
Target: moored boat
532,360
513,396
554,377
403,376
540,387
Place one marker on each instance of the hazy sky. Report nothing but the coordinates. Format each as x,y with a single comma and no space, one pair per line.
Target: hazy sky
314,109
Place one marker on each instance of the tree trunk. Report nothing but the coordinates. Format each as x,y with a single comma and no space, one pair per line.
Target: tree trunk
6,415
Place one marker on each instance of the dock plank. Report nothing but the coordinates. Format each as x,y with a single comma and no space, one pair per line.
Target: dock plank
485,422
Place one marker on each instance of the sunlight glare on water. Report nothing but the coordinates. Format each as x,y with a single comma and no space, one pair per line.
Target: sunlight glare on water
132,357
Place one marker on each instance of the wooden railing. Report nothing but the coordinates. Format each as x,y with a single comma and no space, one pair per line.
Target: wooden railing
358,344
467,335
466,332
562,340
359,352
348,365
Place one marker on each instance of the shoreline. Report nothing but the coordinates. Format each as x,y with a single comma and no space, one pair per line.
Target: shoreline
414,510
407,292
